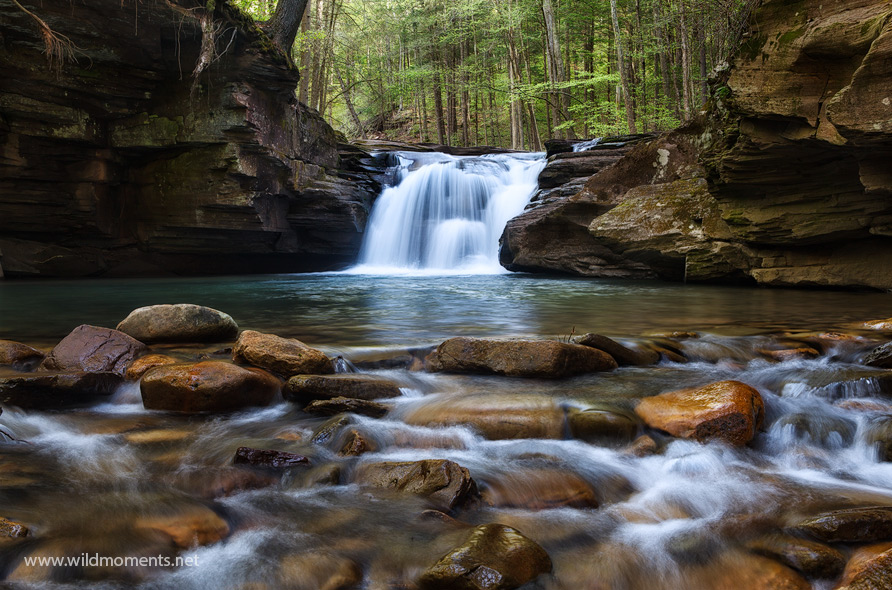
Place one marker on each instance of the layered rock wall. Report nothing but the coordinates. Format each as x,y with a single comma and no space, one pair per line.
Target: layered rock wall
121,162
784,179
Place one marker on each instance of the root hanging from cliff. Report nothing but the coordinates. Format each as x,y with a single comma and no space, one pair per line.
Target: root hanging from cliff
57,47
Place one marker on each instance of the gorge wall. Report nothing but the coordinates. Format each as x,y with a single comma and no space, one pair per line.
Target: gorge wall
784,179
122,163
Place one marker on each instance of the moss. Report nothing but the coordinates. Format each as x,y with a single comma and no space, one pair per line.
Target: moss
752,47
791,36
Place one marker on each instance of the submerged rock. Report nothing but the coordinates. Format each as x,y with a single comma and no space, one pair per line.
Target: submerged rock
340,405
869,568
520,358
20,356
141,366
446,485
181,322
330,429
494,418
56,390
622,354
853,525
189,527
599,425
304,388
812,559
268,458
727,410
285,356
208,386
10,528
94,350
318,570
540,489
494,557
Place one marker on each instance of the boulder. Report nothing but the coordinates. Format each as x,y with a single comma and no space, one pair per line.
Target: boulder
341,405
208,386
880,325
520,358
445,484
329,430
94,350
494,557
356,443
869,568
852,525
540,489
189,527
730,411
268,458
495,418
140,366
600,425
43,391
790,354
304,388
12,529
20,356
813,559
881,357
280,355
318,570
182,322
621,354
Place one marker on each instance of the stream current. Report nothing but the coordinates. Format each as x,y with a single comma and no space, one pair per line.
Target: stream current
97,481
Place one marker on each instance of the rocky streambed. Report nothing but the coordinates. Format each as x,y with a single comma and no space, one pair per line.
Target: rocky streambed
661,460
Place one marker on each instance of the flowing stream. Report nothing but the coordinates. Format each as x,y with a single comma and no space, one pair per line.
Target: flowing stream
116,480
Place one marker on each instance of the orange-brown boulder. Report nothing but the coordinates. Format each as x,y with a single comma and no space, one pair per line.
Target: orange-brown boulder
208,386
140,366
285,356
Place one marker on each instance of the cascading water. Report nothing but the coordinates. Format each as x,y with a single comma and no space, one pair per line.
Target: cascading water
446,213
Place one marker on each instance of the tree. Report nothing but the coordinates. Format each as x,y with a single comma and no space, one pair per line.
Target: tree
285,22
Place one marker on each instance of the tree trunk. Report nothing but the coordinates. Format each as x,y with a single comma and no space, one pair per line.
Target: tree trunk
685,62
555,65
345,90
623,72
285,22
701,38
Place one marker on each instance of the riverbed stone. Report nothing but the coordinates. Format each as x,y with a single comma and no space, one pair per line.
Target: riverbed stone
207,386
12,529
20,356
285,356
268,458
305,388
603,425
445,484
540,489
730,411
318,570
94,350
44,390
329,430
880,325
188,527
791,354
181,322
494,557
869,568
356,443
495,418
140,366
851,525
341,405
813,559
623,355
881,356
519,358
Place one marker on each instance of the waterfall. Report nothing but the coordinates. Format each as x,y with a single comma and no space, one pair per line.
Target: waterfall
583,146
445,214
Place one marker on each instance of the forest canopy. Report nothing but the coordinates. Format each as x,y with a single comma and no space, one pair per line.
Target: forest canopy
508,72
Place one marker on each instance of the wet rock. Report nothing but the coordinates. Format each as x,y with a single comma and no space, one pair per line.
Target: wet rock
623,355
329,429
791,354
304,388
494,418
157,436
869,568
750,572
268,458
494,557
643,446
318,570
324,475
812,559
20,356
446,485
94,350
853,525
727,410
825,429
355,444
56,390
342,405
222,481
280,355
181,322
140,366
878,434
189,527
208,386
670,355
881,357
881,325
12,529
520,358
540,489
599,425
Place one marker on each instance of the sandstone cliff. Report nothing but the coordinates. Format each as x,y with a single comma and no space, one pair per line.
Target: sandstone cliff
122,162
784,179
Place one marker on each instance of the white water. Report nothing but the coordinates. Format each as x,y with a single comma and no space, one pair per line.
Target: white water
446,213
586,145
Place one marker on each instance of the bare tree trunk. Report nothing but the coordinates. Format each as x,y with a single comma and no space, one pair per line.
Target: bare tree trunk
663,45
685,62
623,73
465,95
285,22
438,105
701,39
555,64
345,92
305,72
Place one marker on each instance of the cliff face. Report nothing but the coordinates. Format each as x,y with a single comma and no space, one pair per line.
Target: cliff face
785,179
123,163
